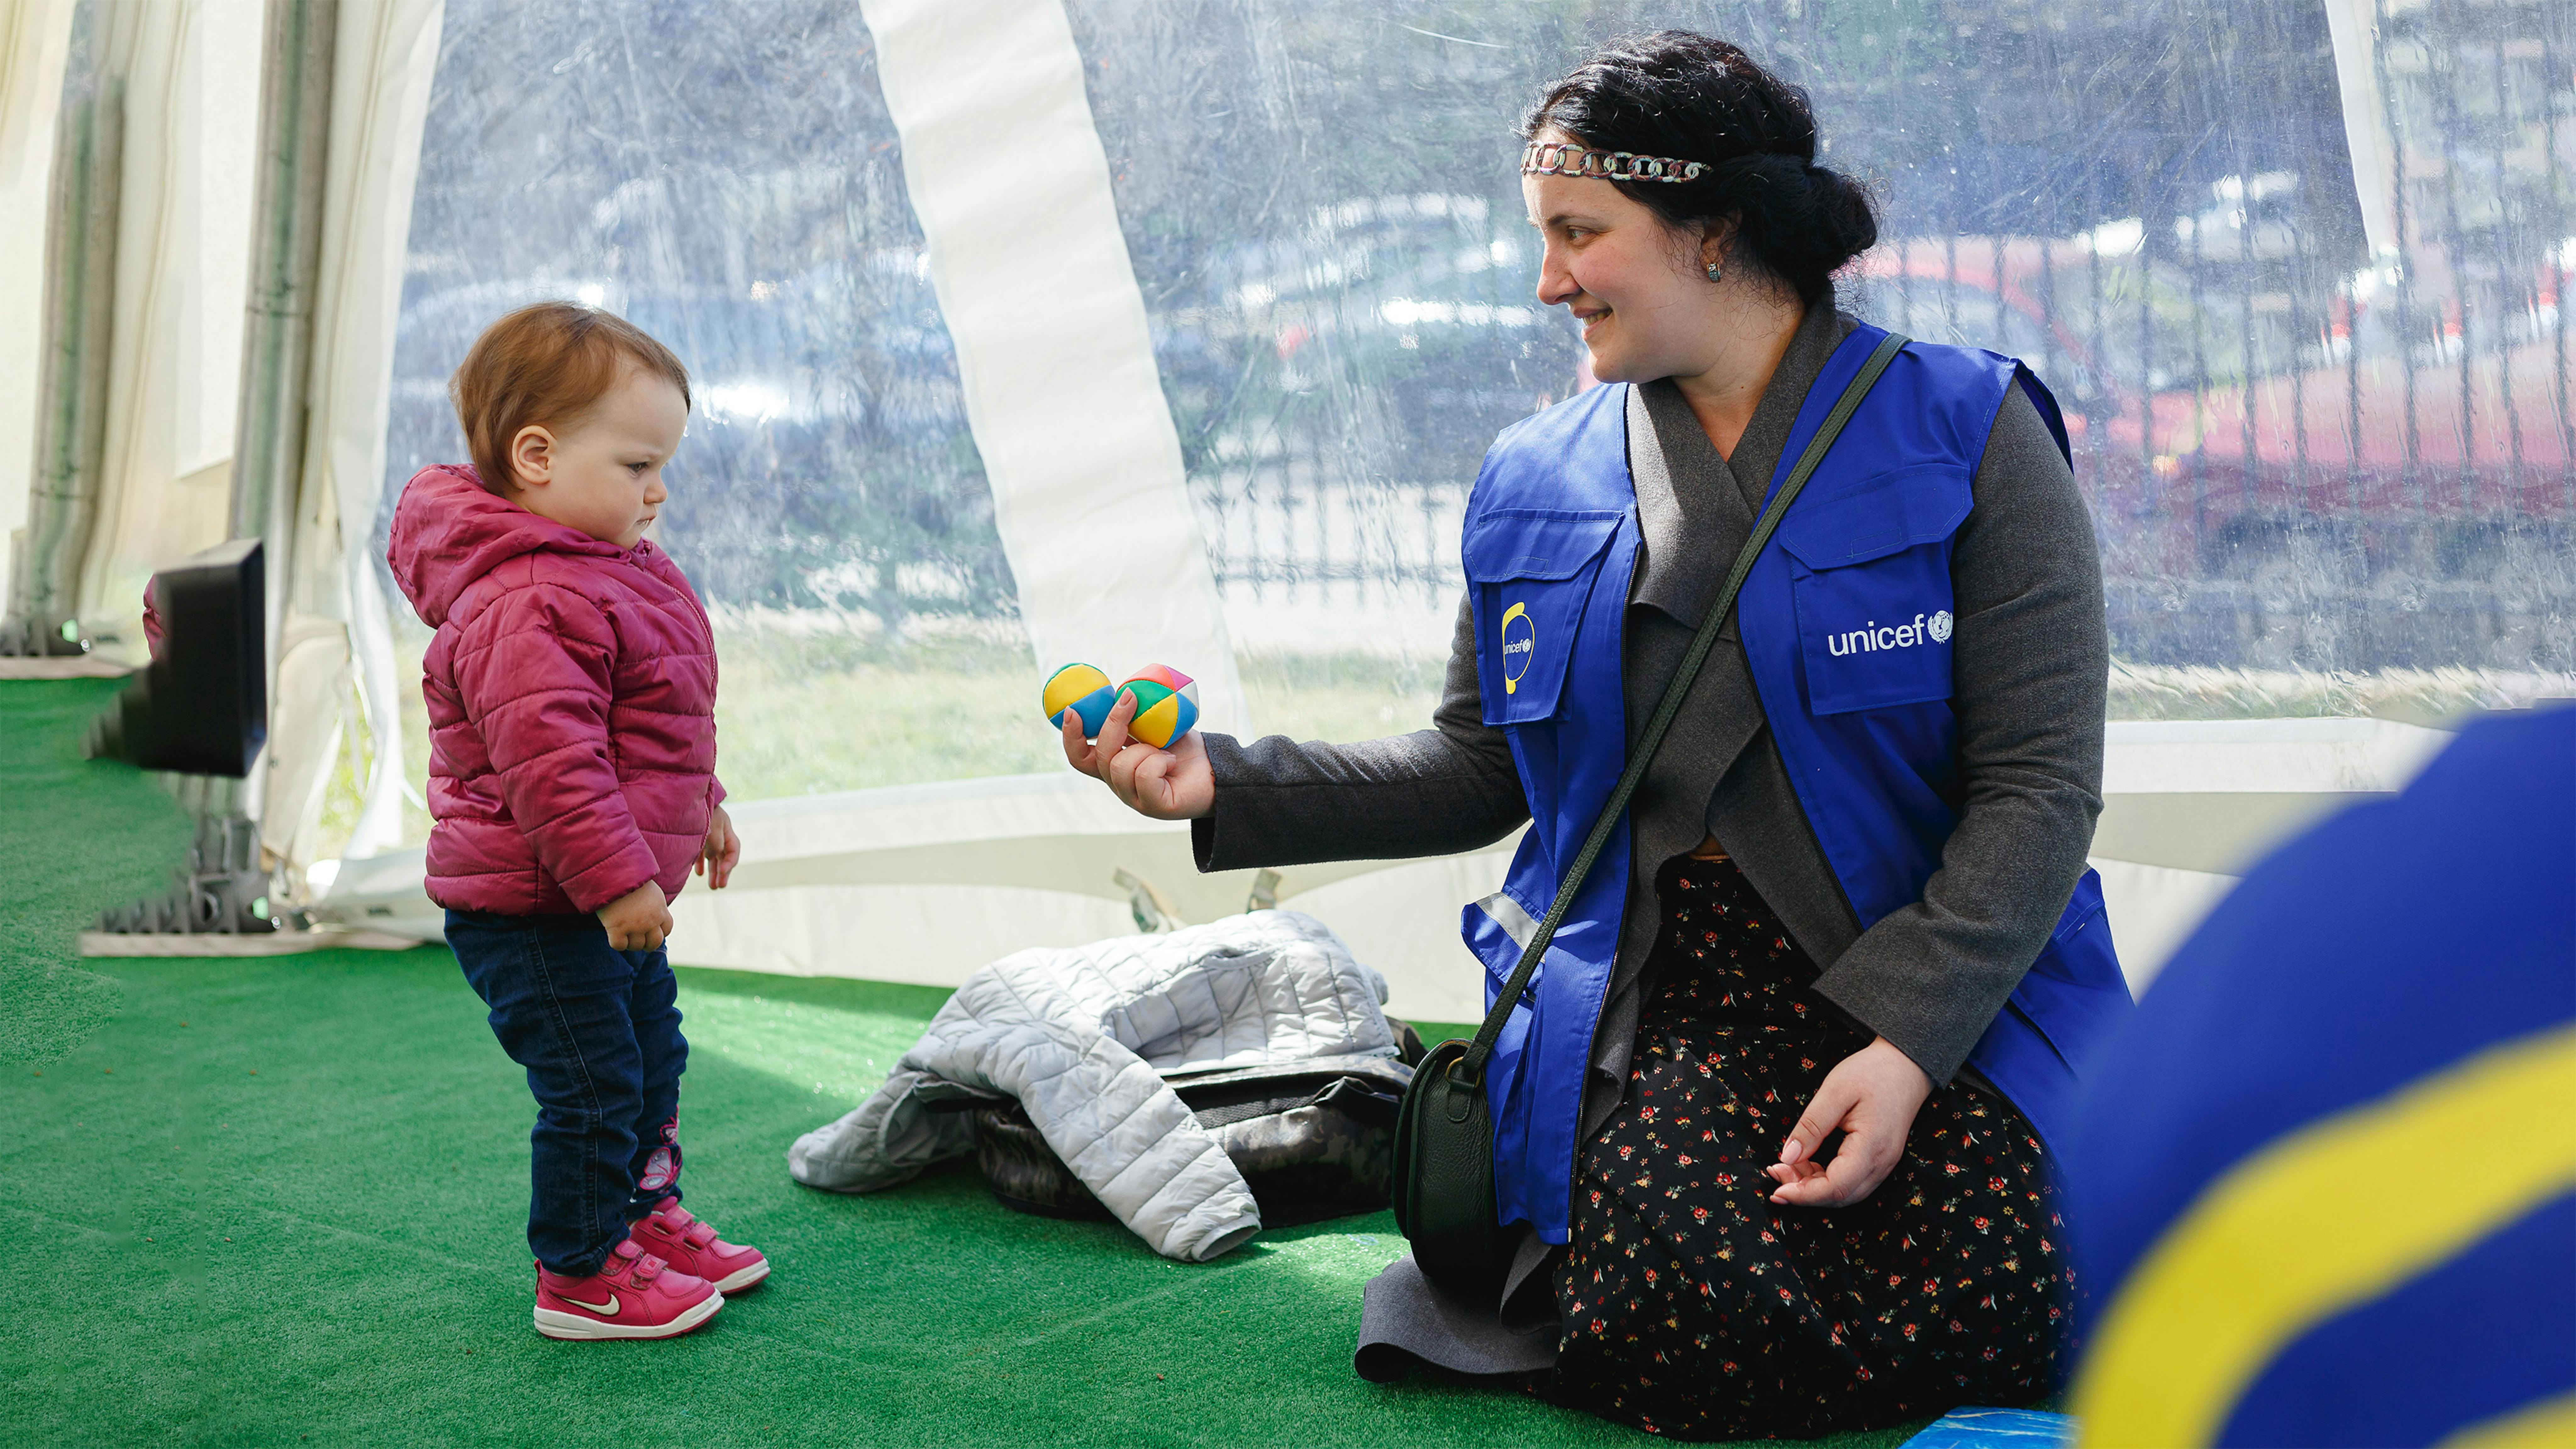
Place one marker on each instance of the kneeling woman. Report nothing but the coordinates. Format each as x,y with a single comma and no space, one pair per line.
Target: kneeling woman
1776,1110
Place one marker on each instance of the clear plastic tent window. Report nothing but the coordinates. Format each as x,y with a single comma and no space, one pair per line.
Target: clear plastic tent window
2294,270
729,180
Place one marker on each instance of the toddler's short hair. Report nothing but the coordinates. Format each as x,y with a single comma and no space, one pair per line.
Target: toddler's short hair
544,366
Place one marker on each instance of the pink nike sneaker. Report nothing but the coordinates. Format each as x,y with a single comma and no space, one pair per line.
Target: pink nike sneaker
670,1233
633,1295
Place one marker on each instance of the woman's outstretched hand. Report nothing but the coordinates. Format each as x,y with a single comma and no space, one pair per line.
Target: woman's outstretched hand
1173,784
1870,1097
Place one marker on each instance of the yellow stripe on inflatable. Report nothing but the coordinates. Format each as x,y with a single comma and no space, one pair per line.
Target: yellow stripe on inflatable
2329,1216
2547,1424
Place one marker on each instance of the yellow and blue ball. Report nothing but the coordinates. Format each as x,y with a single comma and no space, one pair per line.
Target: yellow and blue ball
1085,690
1167,705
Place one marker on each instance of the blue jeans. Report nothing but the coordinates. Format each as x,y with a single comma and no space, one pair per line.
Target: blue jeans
599,1032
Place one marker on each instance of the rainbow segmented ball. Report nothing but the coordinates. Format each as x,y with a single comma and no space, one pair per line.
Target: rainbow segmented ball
1167,705
1085,690
1167,701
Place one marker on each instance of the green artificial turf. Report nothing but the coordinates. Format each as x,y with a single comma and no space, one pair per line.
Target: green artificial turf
76,837
282,1201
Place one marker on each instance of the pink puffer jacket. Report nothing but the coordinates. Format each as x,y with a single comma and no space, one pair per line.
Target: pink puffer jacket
572,692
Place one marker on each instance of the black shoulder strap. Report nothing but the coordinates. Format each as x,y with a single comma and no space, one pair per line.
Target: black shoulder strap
1469,1069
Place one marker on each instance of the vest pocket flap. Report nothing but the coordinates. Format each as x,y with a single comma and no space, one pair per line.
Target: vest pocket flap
1536,543
1889,513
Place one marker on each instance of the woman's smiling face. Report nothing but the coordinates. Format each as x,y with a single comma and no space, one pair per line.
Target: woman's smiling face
1633,282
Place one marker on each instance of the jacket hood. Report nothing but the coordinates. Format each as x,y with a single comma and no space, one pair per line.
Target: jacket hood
448,532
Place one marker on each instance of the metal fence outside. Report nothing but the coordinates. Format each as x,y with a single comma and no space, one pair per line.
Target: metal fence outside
2305,321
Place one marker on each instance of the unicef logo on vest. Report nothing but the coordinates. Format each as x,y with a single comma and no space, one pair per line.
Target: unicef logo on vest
1875,637
1520,641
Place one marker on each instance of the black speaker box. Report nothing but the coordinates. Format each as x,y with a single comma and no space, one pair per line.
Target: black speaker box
201,707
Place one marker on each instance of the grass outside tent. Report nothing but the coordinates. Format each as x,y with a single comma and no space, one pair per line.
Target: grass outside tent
808,707
807,710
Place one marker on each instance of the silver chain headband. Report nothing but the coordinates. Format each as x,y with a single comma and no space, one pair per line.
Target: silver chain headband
1555,158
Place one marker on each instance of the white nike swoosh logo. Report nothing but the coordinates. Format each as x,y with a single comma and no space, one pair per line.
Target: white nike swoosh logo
608,1308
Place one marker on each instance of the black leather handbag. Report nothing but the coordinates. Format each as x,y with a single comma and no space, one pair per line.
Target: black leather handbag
1444,1137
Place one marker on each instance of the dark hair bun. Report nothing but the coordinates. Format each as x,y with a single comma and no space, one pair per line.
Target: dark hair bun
1677,94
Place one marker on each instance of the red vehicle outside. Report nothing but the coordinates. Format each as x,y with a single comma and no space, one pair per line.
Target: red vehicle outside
2317,430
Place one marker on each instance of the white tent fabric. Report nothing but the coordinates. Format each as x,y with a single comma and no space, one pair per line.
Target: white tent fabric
35,35
1007,176
182,273
2353,26
182,268
387,59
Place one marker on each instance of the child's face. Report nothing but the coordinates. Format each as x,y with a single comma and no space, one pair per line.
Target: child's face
602,474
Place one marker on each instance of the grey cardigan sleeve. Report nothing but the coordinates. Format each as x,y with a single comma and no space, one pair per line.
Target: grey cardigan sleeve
2030,666
1434,792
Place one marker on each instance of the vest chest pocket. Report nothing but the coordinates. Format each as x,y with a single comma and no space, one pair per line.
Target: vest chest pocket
1533,571
1870,576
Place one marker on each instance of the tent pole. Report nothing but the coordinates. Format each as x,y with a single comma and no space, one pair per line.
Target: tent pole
71,417
296,60
285,270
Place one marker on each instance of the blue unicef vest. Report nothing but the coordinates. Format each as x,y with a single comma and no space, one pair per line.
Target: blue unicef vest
1846,623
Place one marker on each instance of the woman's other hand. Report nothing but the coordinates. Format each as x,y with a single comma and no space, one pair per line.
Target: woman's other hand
1870,1097
1173,784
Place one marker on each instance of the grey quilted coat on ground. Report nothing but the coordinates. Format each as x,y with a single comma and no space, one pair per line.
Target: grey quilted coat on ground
1081,1036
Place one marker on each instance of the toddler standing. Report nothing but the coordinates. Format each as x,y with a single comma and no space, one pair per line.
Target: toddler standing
571,690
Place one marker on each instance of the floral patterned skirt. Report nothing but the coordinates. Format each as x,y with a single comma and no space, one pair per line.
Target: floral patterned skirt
1696,1308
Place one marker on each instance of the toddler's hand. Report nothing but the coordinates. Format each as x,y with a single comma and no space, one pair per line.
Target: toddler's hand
721,849
639,920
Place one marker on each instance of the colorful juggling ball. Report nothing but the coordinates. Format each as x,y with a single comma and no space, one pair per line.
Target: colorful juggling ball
1167,705
1085,690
